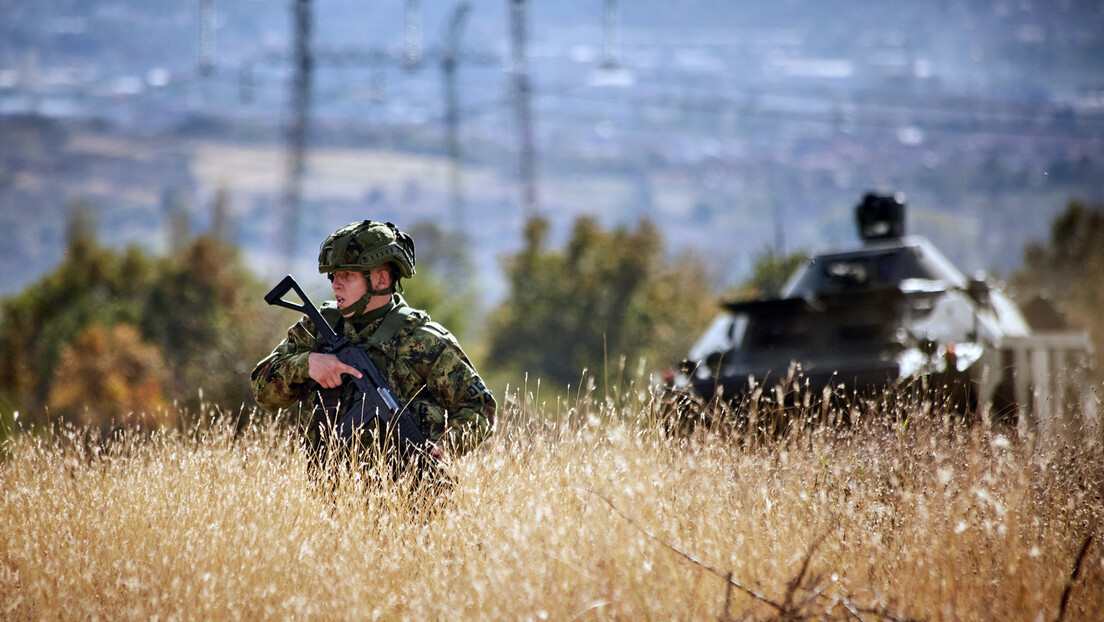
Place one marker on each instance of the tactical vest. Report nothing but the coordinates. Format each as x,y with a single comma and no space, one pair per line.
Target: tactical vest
392,323
378,346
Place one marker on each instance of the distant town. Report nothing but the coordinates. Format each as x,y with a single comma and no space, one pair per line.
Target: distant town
741,129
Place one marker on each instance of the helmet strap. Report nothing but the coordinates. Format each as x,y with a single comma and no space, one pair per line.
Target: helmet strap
357,307
361,304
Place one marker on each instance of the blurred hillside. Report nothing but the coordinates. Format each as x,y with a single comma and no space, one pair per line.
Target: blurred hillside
736,126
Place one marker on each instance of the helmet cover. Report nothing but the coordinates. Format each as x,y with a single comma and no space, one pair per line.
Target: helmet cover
361,246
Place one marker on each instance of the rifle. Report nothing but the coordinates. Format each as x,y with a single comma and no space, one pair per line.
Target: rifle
374,397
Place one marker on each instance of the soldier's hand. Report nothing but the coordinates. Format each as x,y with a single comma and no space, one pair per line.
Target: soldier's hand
438,452
326,369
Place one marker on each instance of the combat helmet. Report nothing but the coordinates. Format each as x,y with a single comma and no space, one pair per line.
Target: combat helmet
361,246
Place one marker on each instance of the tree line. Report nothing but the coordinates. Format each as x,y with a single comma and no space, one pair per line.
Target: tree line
125,337
112,337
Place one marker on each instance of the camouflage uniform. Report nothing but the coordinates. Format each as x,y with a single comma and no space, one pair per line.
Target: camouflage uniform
419,358
423,363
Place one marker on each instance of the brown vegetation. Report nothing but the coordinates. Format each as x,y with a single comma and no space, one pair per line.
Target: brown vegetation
588,510
109,376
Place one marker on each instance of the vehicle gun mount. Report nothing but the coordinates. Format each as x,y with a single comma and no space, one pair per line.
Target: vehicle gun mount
881,216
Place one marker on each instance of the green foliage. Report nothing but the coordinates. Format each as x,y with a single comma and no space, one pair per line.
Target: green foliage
604,297
202,312
443,285
448,307
187,323
769,274
88,287
1069,270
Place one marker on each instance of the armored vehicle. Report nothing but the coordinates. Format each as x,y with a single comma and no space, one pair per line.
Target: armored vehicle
891,310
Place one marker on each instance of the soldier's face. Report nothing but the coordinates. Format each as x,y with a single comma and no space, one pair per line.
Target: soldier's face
348,287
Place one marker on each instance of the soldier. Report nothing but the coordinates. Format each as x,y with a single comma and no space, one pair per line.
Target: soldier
421,360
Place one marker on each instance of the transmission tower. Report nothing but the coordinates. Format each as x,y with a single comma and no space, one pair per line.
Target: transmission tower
450,46
297,132
611,41
412,35
206,36
305,61
521,94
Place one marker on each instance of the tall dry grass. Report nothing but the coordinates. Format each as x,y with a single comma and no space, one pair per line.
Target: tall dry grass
589,512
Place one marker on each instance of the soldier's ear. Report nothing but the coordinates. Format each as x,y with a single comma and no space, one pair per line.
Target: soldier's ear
381,278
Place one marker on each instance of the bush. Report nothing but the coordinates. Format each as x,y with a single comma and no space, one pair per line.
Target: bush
107,376
606,297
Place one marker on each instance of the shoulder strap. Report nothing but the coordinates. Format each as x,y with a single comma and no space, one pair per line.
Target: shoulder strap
391,325
332,315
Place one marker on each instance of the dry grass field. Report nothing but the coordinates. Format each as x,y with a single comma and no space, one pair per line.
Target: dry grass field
576,511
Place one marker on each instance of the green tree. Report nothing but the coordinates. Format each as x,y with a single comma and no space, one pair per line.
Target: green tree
606,295
1068,270
198,309
444,283
446,304
91,285
677,304
769,274
202,313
